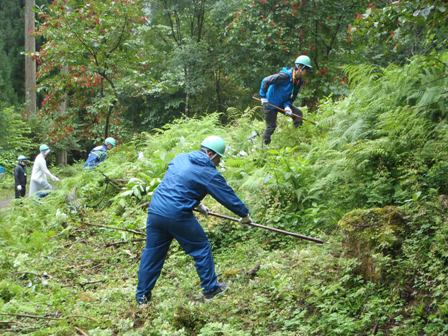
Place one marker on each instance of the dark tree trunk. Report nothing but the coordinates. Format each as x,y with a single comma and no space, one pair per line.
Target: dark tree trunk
30,63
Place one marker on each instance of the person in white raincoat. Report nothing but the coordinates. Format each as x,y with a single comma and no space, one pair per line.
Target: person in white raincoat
40,172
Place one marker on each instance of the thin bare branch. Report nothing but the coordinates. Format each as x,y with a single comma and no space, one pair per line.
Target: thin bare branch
117,229
42,317
121,242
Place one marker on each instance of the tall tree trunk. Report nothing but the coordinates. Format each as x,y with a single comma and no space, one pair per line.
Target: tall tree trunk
62,158
218,90
112,105
108,115
30,63
62,154
187,93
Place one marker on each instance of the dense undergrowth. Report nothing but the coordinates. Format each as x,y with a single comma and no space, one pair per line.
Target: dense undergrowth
6,190
370,180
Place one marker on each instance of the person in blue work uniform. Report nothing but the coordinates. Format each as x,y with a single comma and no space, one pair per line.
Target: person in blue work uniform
99,153
190,177
20,176
281,89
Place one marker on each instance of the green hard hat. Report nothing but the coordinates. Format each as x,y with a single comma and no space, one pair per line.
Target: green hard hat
303,60
22,158
110,141
43,148
215,143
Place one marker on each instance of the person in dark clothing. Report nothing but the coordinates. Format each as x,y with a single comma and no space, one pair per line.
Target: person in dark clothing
190,177
20,176
281,89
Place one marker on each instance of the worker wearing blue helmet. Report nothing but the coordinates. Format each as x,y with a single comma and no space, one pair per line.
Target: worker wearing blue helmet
190,177
280,90
99,153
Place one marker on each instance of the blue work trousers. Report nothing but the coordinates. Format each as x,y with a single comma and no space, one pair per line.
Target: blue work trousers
191,237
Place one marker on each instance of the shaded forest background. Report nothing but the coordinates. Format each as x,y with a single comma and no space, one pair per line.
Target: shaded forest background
121,67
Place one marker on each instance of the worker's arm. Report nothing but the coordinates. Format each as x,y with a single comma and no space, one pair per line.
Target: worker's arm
273,79
224,194
43,167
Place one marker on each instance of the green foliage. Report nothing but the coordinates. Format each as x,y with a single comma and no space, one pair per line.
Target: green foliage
374,160
89,60
374,237
383,141
274,33
128,72
14,137
7,93
191,59
375,164
12,33
400,30
8,291
11,44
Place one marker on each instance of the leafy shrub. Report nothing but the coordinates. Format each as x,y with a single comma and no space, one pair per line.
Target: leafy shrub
14,137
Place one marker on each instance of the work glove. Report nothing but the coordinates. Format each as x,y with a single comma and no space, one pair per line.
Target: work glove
246,220
19,187
288,111
203,209
263,101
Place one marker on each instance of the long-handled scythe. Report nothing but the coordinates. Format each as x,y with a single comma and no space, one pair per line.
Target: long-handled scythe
292,234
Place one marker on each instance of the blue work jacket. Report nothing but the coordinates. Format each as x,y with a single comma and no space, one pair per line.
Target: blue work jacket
96,156
279,89
190,177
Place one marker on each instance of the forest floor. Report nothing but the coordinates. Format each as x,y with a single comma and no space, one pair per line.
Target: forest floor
6,196
4,203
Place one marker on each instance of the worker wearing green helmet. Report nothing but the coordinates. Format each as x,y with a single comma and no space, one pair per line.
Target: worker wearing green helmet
99,153
279,91
40,172
190,177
